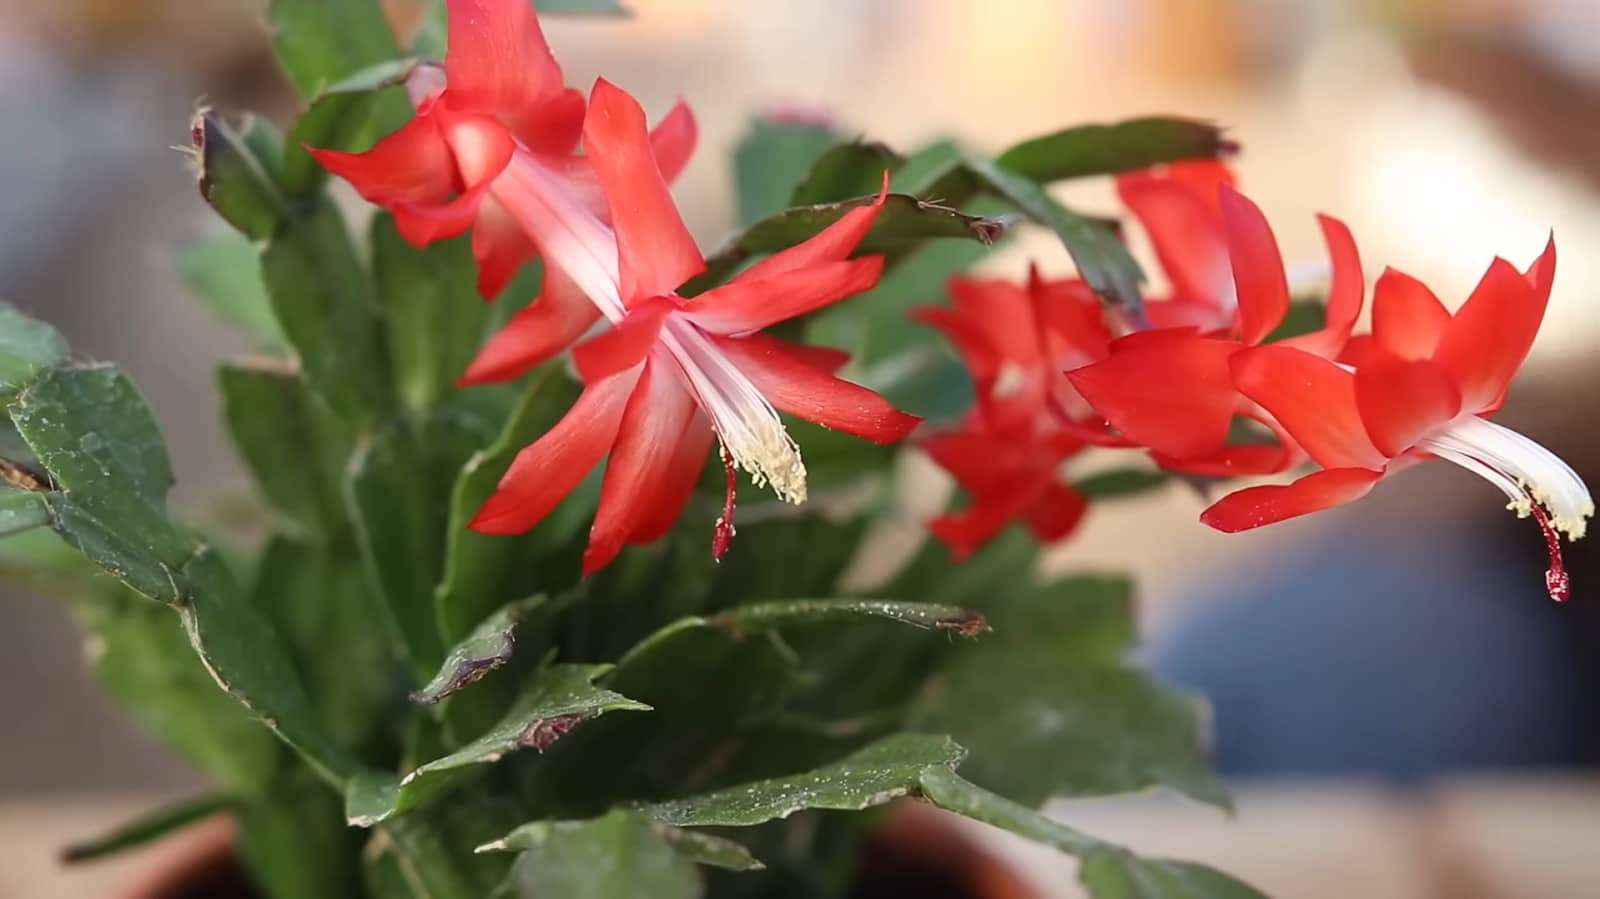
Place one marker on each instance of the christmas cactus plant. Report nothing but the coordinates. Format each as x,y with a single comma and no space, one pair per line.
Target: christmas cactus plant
501,627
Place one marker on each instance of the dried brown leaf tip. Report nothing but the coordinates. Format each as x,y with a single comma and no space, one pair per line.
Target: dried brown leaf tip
17,476
967,624
544,733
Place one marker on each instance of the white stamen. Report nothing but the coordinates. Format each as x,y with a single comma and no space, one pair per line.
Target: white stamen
1525,471
748,426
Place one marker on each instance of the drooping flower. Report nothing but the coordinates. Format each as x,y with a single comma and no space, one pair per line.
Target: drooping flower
491,149
1017,340
1170,389
1424,388
673,373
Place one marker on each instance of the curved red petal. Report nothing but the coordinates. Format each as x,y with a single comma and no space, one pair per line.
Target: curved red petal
831,244
626,344
552,125
1344,294
793,384
966,531
1177,206
968,340
1056,513
679,480
1257,506
1400,400
1166,390
746,305
1407,319
497,61
639,471
421,225
500,247
535,334
673,140
655,251
1313,399
412,165
1233,460
1259,280
1490,335
549,468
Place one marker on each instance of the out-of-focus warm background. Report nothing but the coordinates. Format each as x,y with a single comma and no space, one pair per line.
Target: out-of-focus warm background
1402,712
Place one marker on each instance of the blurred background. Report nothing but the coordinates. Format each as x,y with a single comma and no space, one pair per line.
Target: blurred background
1403,712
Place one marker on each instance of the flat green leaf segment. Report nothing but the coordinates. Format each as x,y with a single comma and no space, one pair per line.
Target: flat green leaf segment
762,616
1088,150
27,347
489,647
1108,871
320,43
108,473
1048,707
146,828
888,769
619,856
559,699
698,847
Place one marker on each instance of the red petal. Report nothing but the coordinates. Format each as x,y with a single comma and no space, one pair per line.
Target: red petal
793,384
1400,400
1258,276
497,61
626,344
412,165
967,530
421,225
1178,209
1344,294
968,339
638,473
1234,460
1166,390
1541,273
655,252
1407,319
1359,349
831,244
673,139
549,468
1257,506
745,305
1313,399
1056,513
536,334
679,480
552,126
500,246
975,459
1490,335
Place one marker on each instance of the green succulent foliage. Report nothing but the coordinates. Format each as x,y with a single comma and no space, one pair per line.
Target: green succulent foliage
397,691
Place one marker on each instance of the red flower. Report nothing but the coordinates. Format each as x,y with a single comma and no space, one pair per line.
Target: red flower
675,372
491,149
1422,389
1016,341
1005,478
1170,389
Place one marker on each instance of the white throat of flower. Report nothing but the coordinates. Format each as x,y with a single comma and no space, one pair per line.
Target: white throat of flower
751,432
1526,472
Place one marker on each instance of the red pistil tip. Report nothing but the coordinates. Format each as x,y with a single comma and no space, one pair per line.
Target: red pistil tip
722,536
1556,578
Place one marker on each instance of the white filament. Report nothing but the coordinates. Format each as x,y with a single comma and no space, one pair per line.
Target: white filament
747,425
1525,471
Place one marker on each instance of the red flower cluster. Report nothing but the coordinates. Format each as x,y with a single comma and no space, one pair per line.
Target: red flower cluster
1421,385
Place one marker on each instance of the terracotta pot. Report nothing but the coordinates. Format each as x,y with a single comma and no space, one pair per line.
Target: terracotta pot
196,864
924,852
920,851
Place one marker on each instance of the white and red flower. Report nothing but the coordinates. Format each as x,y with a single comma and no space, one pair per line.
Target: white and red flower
673,373
1422,387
